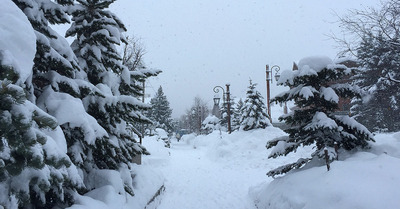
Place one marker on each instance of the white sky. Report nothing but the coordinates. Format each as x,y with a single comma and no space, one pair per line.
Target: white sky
201,44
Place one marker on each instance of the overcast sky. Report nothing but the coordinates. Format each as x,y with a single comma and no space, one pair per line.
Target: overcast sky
201,44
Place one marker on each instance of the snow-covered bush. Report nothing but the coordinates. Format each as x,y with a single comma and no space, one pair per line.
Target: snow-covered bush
163,135
210,124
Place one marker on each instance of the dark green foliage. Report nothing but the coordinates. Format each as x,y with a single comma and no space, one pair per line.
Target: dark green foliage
379,59
316,89
23,151
376,45
114,105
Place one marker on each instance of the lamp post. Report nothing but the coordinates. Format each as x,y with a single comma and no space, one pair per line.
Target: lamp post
215,110
269,79
216,90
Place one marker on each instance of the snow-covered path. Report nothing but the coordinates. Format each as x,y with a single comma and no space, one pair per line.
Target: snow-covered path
213,171
194,181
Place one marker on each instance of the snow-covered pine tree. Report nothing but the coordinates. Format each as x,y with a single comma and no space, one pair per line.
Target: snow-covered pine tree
254,113
97,32
35,171
59,83
160,111
316,92
237,113
55,62
379,59
375,41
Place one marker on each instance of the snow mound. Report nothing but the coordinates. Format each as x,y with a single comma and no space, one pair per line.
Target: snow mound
146,183
366,180
243,148
159,154
17,40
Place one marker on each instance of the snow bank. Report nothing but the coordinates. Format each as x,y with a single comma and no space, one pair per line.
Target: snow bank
17,39
366,180
147,179
146,182
159,154
243,148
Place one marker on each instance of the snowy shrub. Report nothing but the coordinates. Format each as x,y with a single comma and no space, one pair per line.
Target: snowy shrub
210,124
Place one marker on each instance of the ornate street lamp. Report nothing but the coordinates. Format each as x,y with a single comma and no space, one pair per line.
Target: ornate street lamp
277,76
227,100
216,100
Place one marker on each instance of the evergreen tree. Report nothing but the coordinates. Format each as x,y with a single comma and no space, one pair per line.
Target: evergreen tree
253,111
160,111
97,32
60,84
379,59
34,172
316,92
54,62
237,113
51,182
375,43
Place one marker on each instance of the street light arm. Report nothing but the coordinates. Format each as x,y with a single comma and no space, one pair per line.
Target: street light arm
277,69
216,90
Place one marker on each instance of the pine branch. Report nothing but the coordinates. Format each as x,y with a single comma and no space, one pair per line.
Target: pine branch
286,168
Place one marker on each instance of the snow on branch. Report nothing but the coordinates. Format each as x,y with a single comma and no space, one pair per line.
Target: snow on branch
321,120
286,168
283,147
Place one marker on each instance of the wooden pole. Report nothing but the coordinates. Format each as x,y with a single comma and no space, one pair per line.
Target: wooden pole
229,108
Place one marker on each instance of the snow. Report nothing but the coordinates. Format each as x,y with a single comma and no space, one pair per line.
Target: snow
17,40
307,92
316,63
321,120
67,109
146,182
162,134
215,170
223,170
329,94
365,180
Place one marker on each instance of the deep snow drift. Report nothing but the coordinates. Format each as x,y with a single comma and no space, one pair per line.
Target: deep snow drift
367,180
